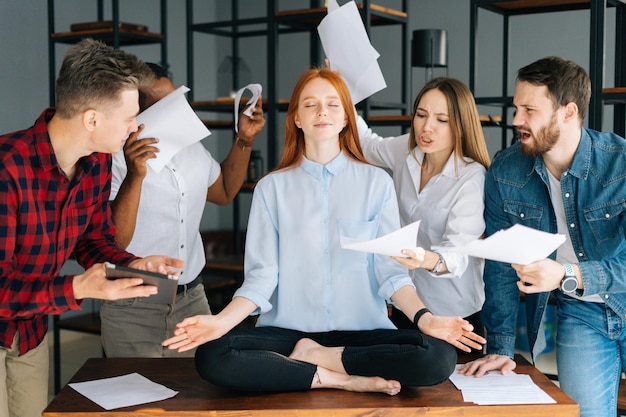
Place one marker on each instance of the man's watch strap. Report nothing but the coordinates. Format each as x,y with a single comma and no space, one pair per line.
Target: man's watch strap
569,283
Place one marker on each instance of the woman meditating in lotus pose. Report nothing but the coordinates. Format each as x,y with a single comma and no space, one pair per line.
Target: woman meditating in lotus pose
323,316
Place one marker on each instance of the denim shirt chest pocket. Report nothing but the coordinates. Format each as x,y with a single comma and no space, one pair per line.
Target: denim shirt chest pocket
605,221
524,213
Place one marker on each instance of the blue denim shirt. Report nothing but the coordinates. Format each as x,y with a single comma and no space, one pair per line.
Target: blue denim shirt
517,190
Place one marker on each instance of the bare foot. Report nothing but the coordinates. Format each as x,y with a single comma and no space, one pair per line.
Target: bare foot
303,348
307,350
331,373
325,378
373,384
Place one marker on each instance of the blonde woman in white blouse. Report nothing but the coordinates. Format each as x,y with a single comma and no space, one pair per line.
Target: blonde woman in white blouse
438,170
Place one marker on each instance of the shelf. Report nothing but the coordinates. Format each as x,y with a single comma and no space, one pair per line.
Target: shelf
107,36
614,95
225,263
113,33
519,7
219,124
382,105
309,19
226,105
405,120
231,28
494,101
248,186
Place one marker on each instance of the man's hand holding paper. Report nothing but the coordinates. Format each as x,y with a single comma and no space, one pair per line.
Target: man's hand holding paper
518,244
527,250
174,123
541,276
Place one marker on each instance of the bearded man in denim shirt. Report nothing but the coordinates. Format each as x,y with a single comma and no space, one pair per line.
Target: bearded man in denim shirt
561,177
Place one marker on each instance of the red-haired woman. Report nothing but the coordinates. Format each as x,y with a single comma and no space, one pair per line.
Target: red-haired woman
323,318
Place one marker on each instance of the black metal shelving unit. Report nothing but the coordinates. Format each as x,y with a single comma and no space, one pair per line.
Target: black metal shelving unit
597,9
114,36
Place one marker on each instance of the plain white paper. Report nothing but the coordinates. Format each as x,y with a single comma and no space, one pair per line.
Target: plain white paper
123,391
348,48
518,244
174,123
391,244
495,388
256,90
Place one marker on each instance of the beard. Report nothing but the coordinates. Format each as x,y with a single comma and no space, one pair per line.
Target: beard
544,140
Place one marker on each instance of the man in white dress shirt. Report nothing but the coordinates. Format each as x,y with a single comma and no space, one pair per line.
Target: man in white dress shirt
163,210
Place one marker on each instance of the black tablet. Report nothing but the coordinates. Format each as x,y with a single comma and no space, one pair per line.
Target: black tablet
167,284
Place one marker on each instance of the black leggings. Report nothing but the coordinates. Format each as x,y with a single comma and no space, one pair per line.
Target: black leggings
257,359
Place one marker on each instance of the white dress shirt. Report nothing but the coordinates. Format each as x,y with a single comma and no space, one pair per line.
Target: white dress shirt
171,206
450,208
295,269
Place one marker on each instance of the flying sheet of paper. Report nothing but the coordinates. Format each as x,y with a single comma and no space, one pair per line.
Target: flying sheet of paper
391,244
123,391
349,50
256,90
518,244
174,123
495,388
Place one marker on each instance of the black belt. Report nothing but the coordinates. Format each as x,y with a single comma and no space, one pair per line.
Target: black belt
187,287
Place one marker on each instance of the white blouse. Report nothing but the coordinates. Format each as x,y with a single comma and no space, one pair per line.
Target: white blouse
450,208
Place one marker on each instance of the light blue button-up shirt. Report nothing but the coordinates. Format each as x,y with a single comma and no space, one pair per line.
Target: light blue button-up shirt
295,269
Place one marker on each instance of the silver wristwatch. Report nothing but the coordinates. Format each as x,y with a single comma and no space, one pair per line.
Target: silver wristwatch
569,283
439,265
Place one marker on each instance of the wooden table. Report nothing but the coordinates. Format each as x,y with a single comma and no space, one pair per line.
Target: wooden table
197,397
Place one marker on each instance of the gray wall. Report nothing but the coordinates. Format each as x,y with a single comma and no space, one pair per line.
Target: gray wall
24,52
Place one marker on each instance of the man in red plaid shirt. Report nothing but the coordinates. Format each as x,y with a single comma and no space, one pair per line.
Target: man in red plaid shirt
54,202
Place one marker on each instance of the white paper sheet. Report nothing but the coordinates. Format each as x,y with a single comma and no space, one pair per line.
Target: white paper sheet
390,244
495,388
123,391
518,244
174,123
256,90
349,50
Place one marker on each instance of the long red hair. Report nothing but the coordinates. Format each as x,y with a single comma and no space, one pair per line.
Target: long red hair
294,136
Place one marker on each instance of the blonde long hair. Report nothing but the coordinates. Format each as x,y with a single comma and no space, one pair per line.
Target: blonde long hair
469,140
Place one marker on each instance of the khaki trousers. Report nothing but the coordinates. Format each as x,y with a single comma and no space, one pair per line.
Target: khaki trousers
24,380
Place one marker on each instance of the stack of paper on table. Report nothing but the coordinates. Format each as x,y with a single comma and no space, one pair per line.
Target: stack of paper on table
495,388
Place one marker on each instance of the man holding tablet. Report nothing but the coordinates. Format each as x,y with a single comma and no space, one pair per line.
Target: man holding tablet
54,202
